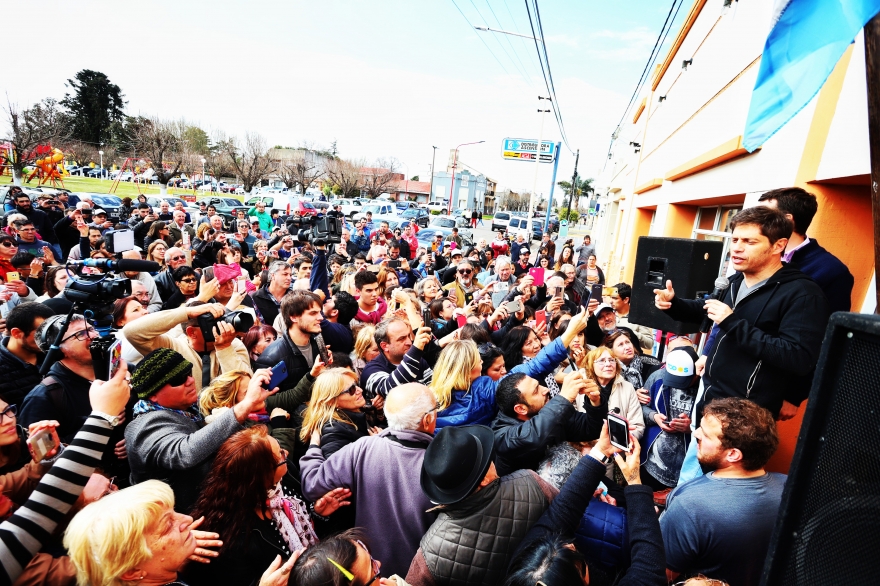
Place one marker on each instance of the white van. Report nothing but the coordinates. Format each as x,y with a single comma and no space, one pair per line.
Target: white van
437,206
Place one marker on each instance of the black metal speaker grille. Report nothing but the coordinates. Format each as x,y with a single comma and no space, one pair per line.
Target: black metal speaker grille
837,535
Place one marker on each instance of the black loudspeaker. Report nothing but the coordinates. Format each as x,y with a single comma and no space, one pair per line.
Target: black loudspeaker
828,527
691,265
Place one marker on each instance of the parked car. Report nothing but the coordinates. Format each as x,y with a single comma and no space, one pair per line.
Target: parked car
406,205
500,221
349,206
276,200
107,202
450,222
419,216
426,237
520,226
377,208
436,206
226,206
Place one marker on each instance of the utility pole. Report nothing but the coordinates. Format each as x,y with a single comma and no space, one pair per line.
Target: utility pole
537,166
573,184
431,189
872,70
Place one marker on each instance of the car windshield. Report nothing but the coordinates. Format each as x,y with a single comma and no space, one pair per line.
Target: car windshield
108,200
253,201
444,222
307,205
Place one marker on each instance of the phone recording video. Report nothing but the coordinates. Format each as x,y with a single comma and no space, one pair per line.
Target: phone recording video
618,432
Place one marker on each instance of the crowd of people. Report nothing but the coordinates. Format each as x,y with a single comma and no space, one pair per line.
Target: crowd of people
396,414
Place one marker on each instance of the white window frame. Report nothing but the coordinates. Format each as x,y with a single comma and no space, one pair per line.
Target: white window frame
716,232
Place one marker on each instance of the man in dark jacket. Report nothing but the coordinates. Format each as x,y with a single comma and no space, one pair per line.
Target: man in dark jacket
399,361
268,299
484,516
20,356
174,257
299,345
529,421
39,218
771,319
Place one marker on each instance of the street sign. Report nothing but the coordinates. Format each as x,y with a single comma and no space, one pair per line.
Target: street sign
521,149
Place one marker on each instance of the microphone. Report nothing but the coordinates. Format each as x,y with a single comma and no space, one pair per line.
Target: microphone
721,285
121,265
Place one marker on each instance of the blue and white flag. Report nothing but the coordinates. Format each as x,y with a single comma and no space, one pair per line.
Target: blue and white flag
807,39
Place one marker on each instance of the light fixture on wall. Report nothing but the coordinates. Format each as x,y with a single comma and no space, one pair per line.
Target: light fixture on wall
661,99
725,8
686,63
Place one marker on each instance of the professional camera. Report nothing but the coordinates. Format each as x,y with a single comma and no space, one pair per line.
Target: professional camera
241,322
325,231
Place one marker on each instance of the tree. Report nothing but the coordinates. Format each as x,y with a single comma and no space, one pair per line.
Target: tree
80,152
582,187
345,176
217,161
377,179
302,169
94,105
249,159
41,124
196,140
161,142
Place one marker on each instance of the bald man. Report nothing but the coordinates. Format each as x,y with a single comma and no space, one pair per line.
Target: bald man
155,302
383,472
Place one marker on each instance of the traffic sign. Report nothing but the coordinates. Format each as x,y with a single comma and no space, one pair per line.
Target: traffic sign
521,149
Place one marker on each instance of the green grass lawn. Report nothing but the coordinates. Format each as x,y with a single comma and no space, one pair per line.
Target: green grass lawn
124,188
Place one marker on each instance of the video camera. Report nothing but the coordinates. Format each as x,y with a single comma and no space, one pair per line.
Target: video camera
241,322
325,231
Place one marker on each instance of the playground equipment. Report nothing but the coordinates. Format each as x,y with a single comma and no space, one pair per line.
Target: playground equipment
49,165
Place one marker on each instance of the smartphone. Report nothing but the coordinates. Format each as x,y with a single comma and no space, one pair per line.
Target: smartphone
618,431
394,264
595,293
557,292
13,276
513,306
242,288
540,319
322,350
501,286
43,442
426,317
279,373
114,352
461,320
537,273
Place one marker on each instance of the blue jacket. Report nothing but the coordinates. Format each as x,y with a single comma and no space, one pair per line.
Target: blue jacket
476,406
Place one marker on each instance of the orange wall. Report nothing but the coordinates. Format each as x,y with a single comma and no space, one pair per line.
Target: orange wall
680,221
641,227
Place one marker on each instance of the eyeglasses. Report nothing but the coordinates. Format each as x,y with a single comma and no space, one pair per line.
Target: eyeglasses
81,335
190,280
606,361
11,411
465,272
436,407
284,454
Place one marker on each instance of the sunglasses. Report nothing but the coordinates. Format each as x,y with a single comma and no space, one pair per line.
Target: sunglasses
374,565
176,258
190,280
180,379
352,390
9,244
465,272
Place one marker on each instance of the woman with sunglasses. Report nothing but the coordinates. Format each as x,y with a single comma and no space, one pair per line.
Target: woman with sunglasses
334,410
19,471
341,560
158,231
187,282
251,499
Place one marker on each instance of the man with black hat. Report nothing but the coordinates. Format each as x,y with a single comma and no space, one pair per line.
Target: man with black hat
483,516
168,439
668,419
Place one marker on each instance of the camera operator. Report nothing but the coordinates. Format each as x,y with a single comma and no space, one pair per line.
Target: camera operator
224,354
63,395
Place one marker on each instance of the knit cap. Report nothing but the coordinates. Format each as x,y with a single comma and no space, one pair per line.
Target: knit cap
156,370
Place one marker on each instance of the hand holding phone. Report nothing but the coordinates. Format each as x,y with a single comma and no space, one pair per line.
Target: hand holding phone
618,432
279,373
537,273
43,443
540,319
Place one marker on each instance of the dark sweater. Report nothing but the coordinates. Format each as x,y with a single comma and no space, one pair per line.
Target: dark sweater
832,276
566,511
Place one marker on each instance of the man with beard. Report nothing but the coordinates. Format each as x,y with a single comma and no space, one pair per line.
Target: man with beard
720,524
20,356
465,285
529,421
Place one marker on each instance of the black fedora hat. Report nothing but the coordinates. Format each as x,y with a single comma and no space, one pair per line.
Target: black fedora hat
456,461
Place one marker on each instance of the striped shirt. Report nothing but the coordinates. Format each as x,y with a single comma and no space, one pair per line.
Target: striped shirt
25,533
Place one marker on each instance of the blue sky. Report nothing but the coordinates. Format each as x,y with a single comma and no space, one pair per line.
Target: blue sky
390,78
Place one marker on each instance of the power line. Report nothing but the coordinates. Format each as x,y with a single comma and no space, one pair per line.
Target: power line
497,40
479,36
517,29
507,37
542,59
550,74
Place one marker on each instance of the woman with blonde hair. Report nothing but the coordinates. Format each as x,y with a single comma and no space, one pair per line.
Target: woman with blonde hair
156,253
365,347
602,367
467,397
334,411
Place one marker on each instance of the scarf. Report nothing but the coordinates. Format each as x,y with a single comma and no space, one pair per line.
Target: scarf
633,372
375,316
144,406
549,381
291,519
